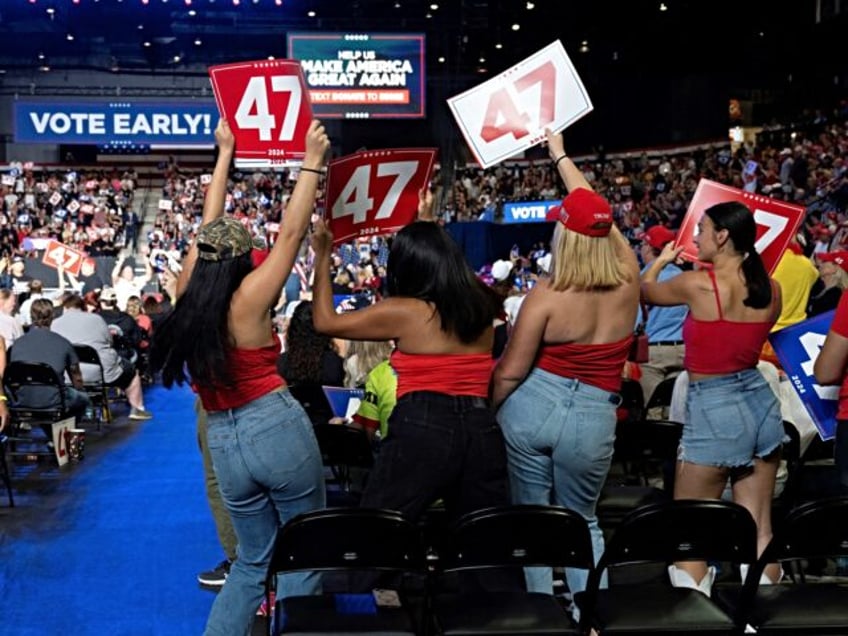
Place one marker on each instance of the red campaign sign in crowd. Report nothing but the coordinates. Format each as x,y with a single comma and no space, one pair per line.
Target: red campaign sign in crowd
376,192
777,222
267,106
58,254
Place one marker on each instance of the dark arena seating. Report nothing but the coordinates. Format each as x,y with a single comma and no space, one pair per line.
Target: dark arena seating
107,150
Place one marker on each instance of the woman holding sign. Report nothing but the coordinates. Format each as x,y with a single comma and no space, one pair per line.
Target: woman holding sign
558,380
733,426
443,440
263,449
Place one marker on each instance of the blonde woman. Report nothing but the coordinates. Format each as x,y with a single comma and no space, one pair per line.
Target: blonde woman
558,381
362,356
833,279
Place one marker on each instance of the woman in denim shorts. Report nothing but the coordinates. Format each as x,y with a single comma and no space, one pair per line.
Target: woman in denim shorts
558,381
733,426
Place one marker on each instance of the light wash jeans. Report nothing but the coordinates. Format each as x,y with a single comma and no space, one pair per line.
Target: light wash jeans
269,470
559,436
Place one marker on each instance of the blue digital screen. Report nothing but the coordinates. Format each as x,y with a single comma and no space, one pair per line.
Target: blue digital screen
362,76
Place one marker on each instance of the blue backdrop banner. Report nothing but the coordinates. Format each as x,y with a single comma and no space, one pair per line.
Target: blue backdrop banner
797,348
90,122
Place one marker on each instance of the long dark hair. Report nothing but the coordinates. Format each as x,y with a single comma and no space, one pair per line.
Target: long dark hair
305,347
739,222
425,263
195,336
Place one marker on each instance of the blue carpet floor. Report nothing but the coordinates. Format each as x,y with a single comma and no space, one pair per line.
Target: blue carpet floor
119,552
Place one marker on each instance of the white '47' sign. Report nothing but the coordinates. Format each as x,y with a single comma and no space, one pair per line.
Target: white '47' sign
509,113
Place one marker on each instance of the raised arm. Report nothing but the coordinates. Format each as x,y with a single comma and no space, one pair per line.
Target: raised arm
568,172
261,288
674,291
213,204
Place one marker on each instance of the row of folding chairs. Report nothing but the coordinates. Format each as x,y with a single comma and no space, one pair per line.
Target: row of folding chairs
508,538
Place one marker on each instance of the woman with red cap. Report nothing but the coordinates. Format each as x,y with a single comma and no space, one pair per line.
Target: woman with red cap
833,278
558,381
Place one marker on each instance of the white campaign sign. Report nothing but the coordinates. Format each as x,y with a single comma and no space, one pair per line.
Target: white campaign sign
509,113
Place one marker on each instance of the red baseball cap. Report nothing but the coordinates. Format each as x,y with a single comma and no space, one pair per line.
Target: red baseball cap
839,257
657,236
583,211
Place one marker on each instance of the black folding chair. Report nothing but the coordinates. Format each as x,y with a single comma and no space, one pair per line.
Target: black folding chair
344,449
510,537
683,530
98,390
817,529
346,540
22,417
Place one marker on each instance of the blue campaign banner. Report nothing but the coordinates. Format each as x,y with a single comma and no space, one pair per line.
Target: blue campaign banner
362,75
797,348
140,122
527,211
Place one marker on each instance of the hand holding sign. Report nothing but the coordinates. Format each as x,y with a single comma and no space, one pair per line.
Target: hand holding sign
376,192
224,137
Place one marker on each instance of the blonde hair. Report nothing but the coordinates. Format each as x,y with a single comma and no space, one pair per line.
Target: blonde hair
364,355
586,263
841,278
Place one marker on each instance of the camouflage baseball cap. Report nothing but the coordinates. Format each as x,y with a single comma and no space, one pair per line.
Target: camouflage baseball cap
222,239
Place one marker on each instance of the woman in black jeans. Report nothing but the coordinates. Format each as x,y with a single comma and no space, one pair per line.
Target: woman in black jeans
443,440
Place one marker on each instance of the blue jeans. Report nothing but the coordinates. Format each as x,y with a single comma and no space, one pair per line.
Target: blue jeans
269,470
559,438
730,420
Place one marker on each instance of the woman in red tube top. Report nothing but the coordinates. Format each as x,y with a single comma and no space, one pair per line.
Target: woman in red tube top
558,381
443,440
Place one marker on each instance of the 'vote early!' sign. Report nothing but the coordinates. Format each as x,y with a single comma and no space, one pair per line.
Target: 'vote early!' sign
41,121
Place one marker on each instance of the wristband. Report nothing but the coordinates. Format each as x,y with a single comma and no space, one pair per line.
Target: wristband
558,159
3,398
312,170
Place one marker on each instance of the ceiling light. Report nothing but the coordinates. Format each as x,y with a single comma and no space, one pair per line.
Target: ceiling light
44,68
198,42
270,57
176,58
441,60
498,46
515,26
663,7
147,43
434,7
192,13
482,60
70,37
51,10
41,56
311,13
530,6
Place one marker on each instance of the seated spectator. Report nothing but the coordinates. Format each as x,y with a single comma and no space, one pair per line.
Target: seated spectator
362,356
135,309
82,327
10,324
310,361
40,344
126,334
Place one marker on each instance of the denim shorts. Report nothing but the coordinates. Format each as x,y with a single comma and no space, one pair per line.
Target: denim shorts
730,421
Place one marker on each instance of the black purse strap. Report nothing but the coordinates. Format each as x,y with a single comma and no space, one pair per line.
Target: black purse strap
640,328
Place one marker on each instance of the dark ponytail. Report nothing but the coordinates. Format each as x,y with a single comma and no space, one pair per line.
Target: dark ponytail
739,222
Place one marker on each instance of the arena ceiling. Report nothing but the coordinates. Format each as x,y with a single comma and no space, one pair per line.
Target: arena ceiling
184,36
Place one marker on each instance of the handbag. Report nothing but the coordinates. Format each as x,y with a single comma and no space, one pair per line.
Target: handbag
639,351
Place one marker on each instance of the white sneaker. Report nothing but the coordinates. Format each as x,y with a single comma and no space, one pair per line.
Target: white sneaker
681,578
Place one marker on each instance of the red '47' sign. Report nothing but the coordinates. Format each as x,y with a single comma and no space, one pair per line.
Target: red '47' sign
509,113
267,106
375,192
777,222
58,254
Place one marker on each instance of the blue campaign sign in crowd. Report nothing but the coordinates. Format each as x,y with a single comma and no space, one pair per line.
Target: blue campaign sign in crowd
797,348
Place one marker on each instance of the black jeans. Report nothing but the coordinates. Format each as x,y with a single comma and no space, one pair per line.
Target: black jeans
439,446
442,447
840,455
